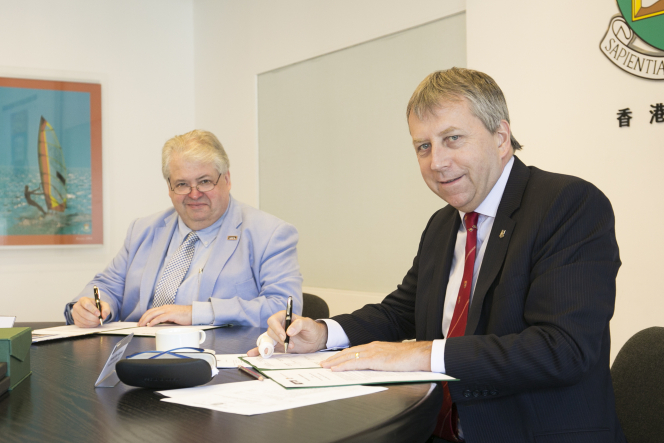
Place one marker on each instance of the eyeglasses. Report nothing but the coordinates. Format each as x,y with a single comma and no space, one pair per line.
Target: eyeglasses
184,189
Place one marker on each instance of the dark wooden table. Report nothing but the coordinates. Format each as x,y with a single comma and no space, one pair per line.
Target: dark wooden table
59,403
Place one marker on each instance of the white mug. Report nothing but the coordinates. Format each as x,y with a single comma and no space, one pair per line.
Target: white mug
172,338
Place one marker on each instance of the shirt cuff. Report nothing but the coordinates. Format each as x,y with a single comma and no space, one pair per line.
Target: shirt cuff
336,337
202,313
438,356
68,317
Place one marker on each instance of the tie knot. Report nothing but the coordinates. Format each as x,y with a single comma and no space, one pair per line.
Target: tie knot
470,220
190,238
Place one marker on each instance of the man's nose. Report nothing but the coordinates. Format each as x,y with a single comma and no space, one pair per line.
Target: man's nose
195,194
440,158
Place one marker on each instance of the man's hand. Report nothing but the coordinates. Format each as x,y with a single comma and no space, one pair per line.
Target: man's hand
383,356
177,314
306,335
86,314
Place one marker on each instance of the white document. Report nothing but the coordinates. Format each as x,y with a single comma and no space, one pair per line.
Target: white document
151,331
7,322
75,331
319,378
259,397
289,361
231,361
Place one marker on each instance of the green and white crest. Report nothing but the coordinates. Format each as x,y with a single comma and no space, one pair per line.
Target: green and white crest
634,41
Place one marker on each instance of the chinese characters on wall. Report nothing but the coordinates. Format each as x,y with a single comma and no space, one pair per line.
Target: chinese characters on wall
657,115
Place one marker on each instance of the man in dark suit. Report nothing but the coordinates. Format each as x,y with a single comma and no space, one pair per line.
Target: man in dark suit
511,291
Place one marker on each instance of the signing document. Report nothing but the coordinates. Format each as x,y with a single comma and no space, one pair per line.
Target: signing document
114,328
304,371
75,331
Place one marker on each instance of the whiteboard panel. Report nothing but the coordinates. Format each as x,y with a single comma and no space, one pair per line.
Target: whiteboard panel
336,159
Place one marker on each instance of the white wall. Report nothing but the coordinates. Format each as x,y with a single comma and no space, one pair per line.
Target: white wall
142,54
236,40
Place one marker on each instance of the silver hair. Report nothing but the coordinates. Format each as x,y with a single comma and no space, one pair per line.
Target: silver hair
196,146
484,96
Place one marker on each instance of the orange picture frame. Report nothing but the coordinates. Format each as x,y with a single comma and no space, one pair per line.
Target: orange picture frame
50,163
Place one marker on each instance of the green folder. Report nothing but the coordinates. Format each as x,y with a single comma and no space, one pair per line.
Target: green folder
15,351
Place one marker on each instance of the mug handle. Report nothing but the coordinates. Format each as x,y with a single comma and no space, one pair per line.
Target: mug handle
202,335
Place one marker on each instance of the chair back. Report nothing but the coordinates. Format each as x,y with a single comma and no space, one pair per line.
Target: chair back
638,382
314,307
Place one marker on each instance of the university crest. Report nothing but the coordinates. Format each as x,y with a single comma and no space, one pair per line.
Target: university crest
634,41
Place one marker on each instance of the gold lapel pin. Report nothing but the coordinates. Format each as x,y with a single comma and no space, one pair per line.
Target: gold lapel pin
502,234
232,237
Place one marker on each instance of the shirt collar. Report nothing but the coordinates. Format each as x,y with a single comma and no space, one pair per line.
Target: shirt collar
489,206
206,235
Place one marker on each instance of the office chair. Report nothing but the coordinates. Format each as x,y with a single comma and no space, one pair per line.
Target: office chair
638,382
314,307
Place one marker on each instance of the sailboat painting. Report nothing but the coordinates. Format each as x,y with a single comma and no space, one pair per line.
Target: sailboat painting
52,168
50,163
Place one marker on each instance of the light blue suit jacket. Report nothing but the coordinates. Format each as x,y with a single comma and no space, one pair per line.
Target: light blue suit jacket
249,275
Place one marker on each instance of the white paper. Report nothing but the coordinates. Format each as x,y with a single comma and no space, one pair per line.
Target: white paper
113,328
7,322
318,378
75,331
259,397
151,331
231,361
289,361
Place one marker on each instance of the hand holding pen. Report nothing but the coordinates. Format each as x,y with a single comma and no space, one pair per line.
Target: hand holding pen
289,317
89,312
98,303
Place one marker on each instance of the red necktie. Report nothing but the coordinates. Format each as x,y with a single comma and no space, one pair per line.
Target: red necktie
446,427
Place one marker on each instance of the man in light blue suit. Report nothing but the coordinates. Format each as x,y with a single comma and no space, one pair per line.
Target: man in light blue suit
244,262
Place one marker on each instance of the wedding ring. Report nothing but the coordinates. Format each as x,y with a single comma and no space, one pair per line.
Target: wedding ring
357,355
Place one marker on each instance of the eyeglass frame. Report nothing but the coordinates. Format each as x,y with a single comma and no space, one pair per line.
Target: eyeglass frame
191,188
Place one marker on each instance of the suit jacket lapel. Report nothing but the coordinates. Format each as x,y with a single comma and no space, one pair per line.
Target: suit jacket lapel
497,246
161,240
444,253
224,246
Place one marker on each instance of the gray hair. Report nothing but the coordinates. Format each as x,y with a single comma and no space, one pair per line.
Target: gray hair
485,98
196,146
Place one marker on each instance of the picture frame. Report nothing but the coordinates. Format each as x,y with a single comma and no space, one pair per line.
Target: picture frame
50,163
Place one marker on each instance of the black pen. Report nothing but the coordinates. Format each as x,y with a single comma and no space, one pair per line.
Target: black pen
289,315
98,303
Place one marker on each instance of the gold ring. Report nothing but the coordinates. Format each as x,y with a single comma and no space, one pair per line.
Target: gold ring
357,355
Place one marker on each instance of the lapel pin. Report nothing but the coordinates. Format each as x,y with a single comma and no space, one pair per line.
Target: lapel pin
502,234
232,237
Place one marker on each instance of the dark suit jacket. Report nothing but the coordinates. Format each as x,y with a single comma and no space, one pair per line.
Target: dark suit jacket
534,361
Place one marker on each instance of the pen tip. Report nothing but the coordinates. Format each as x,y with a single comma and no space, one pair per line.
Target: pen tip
286,347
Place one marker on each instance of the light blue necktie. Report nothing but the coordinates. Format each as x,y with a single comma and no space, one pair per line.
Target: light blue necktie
175,271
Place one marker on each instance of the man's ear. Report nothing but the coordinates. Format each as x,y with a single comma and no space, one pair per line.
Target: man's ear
503,138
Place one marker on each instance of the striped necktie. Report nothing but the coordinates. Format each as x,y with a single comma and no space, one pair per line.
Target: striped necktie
446,427
175,271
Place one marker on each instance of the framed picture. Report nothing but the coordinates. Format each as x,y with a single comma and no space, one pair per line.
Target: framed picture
50,163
